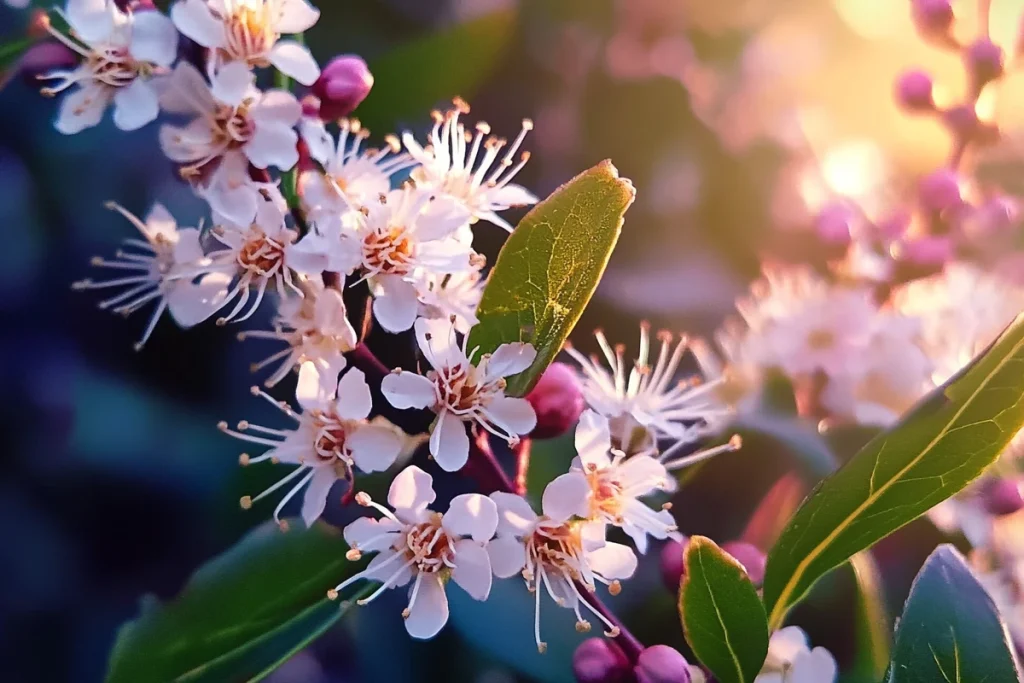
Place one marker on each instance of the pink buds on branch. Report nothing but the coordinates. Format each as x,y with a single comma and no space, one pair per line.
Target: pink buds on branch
343,84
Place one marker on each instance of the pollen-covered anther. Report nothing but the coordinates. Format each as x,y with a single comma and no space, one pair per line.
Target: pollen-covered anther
583,626
542,648
332,594
614,588
363,498
243,459
613,632
245,502
353,555
283,525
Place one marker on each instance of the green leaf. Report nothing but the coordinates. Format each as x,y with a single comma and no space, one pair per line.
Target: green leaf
417,76
241,615
549,267
950,629
872,622
723,619
938,448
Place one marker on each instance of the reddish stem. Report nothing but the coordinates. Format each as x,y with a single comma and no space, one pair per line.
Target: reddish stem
522,451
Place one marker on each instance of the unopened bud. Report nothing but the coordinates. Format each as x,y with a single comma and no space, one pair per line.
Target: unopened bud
964,124
928,250
1002,497
557,400
984,61
833,223
914,92
661,664
672,568
750,556
940,191
342,85
600,660
933,18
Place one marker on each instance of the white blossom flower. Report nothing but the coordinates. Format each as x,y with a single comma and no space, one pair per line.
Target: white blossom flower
791,660
331,438
459,391
352,176
676,409
248,32
616,483
415,544
121,52
315,328
232,118
556,554
17,4
445,295
150,268
451,165
394,240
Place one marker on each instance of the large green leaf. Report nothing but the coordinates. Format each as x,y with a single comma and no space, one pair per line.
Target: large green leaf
240,615
932,453
950,629
549,267
723,619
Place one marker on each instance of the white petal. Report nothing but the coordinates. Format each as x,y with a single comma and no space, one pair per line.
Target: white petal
188,249
329,314
185,91
593,439
315,499
449,443
191,304
232,83
82,108
368,534
295,60
135,105
566,495
396,305
411,491
273,145
511,195
309,255
159,221
277,107
472,568
92,20
510,359
770,677
514,415
354,400
441,218
237,203
194,19
154,38
405,389
376,571
296,16
787,643
430,611
471,514
515,516
816,666
643,474
613,561
374,448
318,140
314,387
436,339
444,256
508,556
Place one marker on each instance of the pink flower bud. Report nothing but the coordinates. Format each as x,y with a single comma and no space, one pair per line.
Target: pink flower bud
933,18
940,191
661,664
600,660
1002,497
833,223
750,556
914,92
984,61
962,121
928,250
557,400
343,84
672,568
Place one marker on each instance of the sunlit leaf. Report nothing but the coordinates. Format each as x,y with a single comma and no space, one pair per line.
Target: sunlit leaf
872,623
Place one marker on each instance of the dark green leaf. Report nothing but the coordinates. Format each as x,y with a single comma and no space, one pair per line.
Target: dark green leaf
872,624
723,619
950,629
549,267
938,448
240,615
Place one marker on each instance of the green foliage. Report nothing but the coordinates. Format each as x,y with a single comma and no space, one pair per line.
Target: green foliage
872,623
723,618
950,629
942,445
549,267
240,615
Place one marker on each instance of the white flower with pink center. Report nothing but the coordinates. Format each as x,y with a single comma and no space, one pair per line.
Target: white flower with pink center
121,52
557,554
248,32
466,167
331,438
457,294
460,391
616,483
416,545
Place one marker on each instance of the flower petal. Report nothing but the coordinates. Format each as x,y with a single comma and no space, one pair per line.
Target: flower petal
613,561
510,359
374,447
159,221
315,499
318,140
277,107
472,568
816,666
405,389
232,83
82,108
429,613
296,16
436,339
192,303
194,19
411,492
515,516
185,92
377,571
295,60
441,218
471,514
593,439
154,38
92,20
514,415
508,556
511,195
188,249
449,443
371,535
273,145
354,401
396,305
135,105
565,496
314,387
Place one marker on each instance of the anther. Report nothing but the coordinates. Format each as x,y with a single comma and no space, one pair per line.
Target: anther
245,502
332,594
243,459
614,588
243,425
353,555
363,498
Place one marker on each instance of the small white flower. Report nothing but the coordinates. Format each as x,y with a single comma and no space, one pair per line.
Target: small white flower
352,176
616,483
457,294
556,554
452,165
248,32
332,437
425,547
791,660
232,118
121,52
675,409
459,391
17,4
150,268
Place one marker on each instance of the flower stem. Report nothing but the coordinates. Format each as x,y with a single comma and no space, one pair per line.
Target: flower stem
522,451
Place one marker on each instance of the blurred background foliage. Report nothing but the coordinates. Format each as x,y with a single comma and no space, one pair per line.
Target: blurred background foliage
735,119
